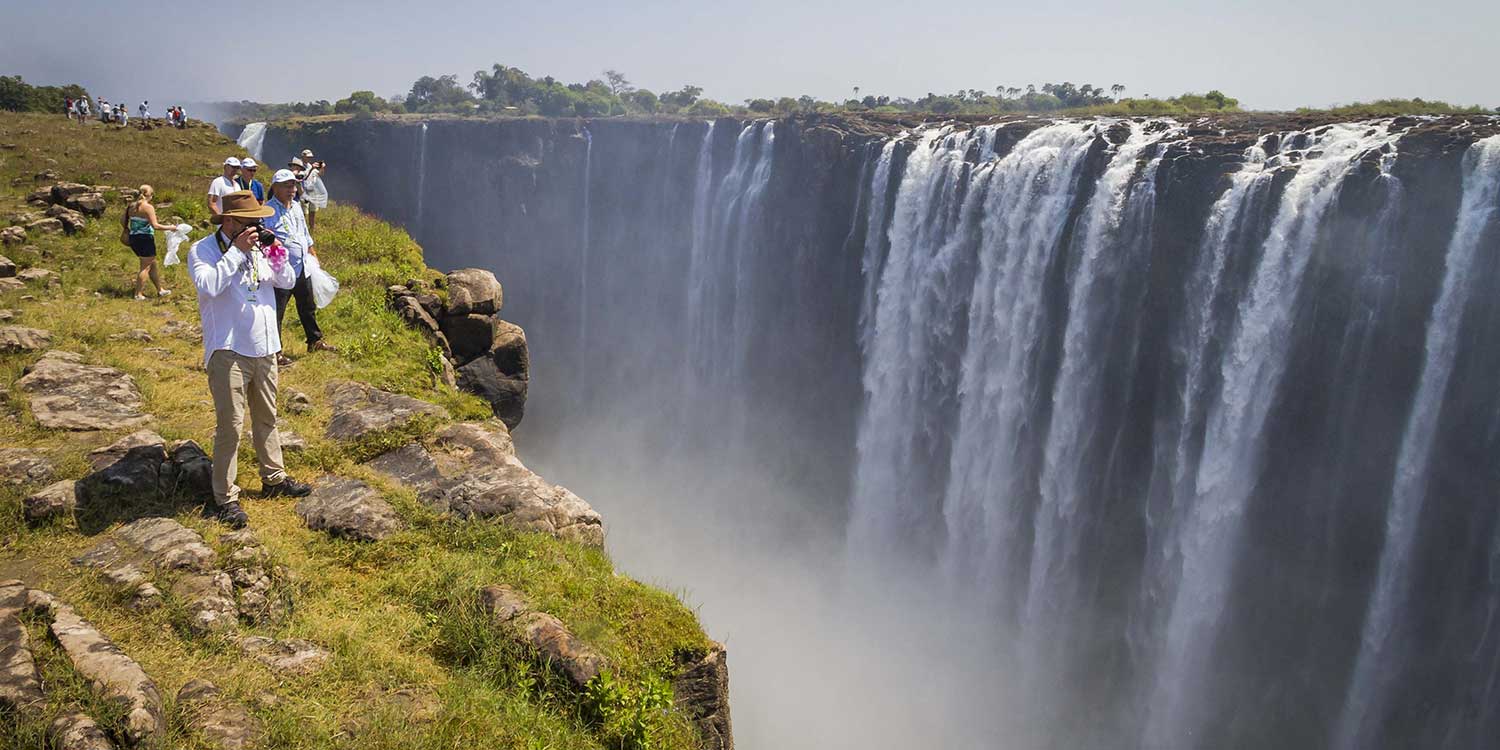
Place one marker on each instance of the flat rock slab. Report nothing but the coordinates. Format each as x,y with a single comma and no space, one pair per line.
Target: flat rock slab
474,472
67,394
224,724
18,339
56,500
21,466
76,731
295,656
552,641
11,285
20,683
113,675
348,508
360,410
161,543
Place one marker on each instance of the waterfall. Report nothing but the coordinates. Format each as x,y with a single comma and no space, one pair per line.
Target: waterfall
421,178
1253,362
1380,661
252,139
584,243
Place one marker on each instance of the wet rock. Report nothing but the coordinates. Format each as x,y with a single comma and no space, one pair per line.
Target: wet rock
295,656
553,642
112,675
701,692
506,394
348,508
224,724
473,472
20,682
56,501
361,410
23,466
67,394
17,339
474,291
76,731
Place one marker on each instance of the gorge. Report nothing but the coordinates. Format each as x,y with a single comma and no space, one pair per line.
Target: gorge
1020,433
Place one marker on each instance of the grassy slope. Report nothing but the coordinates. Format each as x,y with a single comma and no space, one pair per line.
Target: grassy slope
399,615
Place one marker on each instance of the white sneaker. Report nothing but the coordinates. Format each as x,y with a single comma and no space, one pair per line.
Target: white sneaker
163,292
140,297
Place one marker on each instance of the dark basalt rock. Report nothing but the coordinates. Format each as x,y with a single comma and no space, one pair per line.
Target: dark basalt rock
507,395
702,692
348,508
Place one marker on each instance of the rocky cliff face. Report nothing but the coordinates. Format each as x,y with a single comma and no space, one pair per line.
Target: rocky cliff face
1140,392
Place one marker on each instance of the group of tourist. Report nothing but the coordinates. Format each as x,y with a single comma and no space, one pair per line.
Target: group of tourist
81,110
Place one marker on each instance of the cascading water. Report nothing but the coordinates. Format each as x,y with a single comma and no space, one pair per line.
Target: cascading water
421,178
1379,661
1088,415
253,139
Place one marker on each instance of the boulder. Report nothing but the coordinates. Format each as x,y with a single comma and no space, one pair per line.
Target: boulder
158,543
103,458
361,410
7,314
20,466
45,226
469,336
62,192
507,395
250,569
509,351
44,176
474,473
127,471
88,204
291,442
72,221
17,339
66,394
553,643
295,656
701,692
297,402
11,285
209,598
76,731
39,197
187,472
474,291
348,508
8,266
57,500
224,724
20,682
12,236
111,674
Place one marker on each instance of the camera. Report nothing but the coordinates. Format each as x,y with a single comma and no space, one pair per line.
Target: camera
263,237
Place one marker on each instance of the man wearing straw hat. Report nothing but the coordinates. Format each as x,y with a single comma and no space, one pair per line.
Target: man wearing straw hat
237,306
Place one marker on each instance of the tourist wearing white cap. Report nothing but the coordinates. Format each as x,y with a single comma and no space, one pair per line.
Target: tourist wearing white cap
290,226
223,185
314,194
248,181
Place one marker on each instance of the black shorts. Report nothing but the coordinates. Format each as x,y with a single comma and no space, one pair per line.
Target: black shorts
143,245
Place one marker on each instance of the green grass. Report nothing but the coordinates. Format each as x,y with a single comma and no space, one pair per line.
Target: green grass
400,615
1397,107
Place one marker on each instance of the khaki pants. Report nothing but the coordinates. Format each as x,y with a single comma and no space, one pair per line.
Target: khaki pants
235,382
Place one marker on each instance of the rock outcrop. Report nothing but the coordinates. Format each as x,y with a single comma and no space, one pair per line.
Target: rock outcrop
66,394
472,471
361,410
24,466
350,509
702,693
17,339
112,675
224,724
76,731
488,355
553,643
141,467
56,500
293,657
20,682
129,556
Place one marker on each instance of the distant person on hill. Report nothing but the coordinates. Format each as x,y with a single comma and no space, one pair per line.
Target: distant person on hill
103,110
237,307
248,181
314,194
123,115
223,185
140,226
290,226
145,111
83,110
68,107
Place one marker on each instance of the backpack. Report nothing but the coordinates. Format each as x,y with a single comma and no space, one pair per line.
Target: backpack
125,227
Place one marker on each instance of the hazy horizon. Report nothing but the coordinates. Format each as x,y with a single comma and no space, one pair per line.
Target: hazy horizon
1272,55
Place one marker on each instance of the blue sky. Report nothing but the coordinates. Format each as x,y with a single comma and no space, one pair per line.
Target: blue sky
1272,54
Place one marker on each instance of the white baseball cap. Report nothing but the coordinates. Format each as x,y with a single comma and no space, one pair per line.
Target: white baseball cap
248,162
283,175
232,162
307,153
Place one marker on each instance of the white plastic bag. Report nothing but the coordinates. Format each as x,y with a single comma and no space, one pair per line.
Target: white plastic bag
324,287
175,238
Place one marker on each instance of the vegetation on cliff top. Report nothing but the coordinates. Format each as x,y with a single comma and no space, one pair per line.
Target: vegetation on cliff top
414,664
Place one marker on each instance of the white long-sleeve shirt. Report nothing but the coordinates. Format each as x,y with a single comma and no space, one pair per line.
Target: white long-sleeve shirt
236,316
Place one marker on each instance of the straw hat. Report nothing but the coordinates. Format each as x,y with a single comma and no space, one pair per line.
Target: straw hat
241,204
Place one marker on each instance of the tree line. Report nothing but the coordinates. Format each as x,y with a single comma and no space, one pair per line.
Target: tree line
17,95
